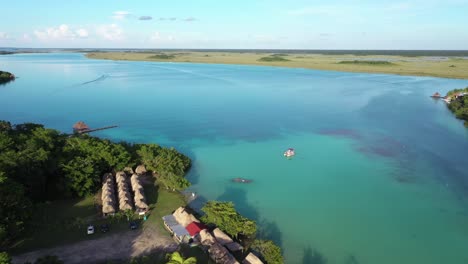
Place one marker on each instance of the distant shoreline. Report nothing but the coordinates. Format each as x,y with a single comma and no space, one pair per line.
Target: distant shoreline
444,67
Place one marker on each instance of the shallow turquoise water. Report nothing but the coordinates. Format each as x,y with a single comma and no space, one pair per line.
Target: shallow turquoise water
380,172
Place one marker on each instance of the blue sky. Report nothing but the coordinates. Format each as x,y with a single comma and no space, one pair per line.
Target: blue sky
240,24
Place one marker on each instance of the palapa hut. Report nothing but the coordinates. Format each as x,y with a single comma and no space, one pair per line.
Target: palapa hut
221,237
220,254
140,200
80,126
125,197
141,169
251,259
206,238
183,217
436,95
109,203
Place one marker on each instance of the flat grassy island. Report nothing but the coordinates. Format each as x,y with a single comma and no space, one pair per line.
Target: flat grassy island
393,63
6,77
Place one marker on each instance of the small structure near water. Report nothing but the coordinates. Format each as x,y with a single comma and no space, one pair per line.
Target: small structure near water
81,127
436,95
289,153
241,180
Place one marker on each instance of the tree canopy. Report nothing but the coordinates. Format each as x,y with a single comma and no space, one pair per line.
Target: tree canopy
177,258
39,164
459,106
225,216
270,252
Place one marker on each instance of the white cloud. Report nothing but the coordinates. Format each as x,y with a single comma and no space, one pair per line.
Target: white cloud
82,33
62,32
4,36
110,32
119,15
155,36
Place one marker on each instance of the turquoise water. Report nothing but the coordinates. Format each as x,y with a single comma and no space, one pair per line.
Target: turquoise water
380,172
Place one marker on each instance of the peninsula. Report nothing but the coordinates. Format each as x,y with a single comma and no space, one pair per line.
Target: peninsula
402,64
6,77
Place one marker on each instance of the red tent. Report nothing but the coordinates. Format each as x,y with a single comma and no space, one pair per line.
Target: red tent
195,228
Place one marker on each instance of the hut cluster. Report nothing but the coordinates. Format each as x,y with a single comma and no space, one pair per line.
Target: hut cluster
123,193
186,228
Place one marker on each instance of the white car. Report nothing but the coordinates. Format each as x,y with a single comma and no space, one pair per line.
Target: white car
90,229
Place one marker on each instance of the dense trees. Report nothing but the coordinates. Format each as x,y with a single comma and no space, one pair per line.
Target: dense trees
38,164
225,216
459,106
5,258
270,252
6,77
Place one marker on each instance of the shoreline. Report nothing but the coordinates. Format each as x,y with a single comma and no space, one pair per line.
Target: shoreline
450,67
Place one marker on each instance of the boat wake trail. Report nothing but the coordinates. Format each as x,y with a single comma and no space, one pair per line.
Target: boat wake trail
102,77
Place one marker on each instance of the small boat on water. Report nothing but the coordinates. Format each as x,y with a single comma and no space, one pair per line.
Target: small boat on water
289,152
241,180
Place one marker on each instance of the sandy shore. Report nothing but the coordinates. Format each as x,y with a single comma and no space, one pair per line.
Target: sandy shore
450,67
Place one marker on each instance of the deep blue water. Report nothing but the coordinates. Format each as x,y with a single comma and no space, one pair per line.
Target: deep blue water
380,173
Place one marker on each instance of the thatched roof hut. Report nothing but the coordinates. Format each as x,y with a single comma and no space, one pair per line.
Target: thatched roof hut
221,255
251,259
206,238
125,197
80,126
109,203
183,217
128,170
234,246
140,169
222,238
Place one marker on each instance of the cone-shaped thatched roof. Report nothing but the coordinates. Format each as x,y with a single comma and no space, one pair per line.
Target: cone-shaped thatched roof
125,205
80,125
108,209
221,255
206,238
141,169
222,238
183,217
251,259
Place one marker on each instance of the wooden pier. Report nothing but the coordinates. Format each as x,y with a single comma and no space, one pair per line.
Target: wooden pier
95,129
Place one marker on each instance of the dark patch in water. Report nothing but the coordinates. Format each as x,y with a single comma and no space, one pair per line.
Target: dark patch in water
346,133
351,259
312,256
405,179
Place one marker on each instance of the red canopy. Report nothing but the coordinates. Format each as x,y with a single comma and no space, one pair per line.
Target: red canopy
195,228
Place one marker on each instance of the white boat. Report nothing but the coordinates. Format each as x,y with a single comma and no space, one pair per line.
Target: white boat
289,152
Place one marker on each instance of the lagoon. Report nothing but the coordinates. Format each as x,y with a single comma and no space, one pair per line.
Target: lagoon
379,175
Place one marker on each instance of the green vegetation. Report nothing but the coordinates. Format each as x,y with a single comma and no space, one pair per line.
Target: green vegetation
39,164
273,58
271,253
225,216
177,258
6,77
5,258
162,56
459,106
367,62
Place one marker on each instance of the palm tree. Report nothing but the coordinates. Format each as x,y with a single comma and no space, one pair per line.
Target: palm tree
176,258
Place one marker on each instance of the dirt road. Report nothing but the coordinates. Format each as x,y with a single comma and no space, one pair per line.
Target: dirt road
117,246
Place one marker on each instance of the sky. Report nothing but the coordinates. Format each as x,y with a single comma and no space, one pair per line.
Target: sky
239,24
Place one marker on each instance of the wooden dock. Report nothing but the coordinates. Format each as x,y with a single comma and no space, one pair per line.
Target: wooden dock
95,129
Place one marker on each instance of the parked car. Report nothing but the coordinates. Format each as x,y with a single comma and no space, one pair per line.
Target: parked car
104,228
133,225
90,230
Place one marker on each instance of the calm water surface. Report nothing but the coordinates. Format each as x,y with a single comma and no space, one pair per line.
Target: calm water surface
380,172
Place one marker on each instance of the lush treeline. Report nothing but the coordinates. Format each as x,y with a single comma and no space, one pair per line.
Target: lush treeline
6,77
38,164
459,106
226,218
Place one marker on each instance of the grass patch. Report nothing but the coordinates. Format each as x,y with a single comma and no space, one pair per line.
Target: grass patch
366,62
162,202
162,56
273,59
